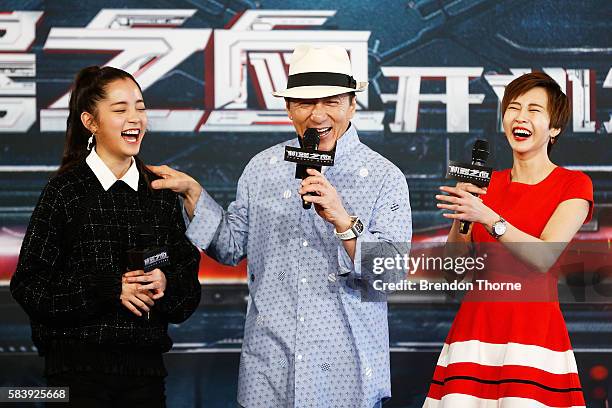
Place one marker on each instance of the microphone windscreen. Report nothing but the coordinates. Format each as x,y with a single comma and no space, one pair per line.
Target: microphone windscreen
480,151
311,139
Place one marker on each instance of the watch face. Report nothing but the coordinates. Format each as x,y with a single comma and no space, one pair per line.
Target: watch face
499,228
358,228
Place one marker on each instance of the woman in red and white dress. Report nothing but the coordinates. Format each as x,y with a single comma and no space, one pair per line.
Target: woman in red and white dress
516,352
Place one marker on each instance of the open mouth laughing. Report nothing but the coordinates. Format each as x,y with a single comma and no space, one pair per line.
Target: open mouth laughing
324,132
131,135
521,133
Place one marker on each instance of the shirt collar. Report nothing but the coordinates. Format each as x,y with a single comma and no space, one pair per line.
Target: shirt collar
347,142
105,175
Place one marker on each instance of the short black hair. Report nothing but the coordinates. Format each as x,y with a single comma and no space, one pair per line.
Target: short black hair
351,96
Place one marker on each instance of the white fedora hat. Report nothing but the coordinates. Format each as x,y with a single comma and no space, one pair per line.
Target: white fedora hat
319,73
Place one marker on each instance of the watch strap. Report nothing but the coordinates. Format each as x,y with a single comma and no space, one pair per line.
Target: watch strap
349,233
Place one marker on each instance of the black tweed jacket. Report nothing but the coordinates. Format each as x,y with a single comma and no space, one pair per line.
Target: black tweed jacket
68,278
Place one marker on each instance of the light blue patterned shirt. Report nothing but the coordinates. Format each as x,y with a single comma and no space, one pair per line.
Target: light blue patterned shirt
309,340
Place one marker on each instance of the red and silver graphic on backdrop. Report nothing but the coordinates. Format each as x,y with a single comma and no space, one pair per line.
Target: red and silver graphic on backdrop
17,98
149,43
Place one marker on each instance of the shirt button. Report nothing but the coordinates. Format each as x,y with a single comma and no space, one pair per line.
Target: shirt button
303,280
299,357
301,318
305,243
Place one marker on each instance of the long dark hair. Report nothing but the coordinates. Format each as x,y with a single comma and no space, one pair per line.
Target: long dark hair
90,88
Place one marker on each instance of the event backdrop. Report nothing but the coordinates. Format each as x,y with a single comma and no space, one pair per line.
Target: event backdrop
436,70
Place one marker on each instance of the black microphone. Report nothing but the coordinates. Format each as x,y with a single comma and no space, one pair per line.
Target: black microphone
310,142
307,156
480,154
145,254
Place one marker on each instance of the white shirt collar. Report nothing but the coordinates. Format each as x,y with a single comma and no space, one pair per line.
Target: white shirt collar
105,175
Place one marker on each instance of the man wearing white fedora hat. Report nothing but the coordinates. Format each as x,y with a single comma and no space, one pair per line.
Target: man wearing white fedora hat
310,340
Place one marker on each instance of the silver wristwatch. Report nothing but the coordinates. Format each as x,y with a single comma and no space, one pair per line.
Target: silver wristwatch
354,231
498,228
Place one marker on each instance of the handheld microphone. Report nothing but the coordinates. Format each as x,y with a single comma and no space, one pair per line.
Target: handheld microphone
143,255
308,157
310,142
477,173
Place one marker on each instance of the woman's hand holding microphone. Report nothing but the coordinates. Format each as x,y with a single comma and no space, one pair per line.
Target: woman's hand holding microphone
466,206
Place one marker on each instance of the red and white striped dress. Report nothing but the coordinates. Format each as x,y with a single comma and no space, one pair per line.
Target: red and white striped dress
513,353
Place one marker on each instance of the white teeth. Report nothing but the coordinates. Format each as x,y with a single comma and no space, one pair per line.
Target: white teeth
325,130
131,135
521,132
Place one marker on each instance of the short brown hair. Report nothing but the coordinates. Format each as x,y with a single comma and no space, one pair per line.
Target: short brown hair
558,103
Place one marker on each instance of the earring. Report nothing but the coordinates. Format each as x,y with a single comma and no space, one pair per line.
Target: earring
552,140
90,142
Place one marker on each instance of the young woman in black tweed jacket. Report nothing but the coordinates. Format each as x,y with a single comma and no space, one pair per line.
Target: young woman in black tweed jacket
100,335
